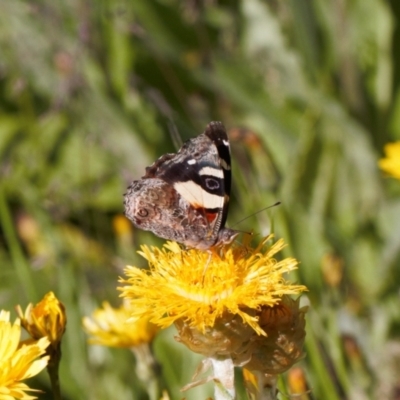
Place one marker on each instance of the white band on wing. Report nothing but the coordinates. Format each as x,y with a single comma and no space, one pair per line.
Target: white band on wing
198,197
217,172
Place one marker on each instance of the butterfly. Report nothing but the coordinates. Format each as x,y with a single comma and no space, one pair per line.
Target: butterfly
184,196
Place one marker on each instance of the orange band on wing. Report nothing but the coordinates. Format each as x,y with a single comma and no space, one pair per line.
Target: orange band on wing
211,216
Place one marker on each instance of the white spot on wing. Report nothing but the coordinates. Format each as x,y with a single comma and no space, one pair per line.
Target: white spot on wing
224,165
226,142
212,172
194,194
191,161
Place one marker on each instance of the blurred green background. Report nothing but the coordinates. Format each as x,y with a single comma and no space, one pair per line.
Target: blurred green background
91,92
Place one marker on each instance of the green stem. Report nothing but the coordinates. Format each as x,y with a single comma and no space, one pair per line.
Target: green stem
147,370
52,369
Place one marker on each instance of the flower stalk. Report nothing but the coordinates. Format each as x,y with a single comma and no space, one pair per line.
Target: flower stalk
53,370
223,376
147,370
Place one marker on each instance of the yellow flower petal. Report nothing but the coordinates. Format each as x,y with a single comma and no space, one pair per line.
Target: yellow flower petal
46,319
200,287
18,361
391,163
110,326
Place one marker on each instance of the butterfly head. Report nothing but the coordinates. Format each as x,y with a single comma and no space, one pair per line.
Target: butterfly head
226,236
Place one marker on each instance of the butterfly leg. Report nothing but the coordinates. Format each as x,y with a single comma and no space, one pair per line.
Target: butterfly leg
210,253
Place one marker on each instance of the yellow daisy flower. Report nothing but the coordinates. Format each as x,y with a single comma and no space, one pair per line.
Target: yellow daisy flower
202,290
232,306
110,326
114,327
47,318
18,361
391,163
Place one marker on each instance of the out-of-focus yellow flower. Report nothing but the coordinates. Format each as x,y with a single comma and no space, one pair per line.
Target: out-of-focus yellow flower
33,238
391,163
122,226
165,395
114,327
203,290
18,361
110,326
297,383
47,318
332,267
124,235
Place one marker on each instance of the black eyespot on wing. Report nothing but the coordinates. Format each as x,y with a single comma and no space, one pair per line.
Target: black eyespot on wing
212,184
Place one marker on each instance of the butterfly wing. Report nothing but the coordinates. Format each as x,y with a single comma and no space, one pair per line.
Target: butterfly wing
217,134
184,196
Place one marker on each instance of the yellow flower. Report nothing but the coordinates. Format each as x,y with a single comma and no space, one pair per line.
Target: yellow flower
391,163
122,226
47,318
297,383
110,326
18,361
203,290
114,327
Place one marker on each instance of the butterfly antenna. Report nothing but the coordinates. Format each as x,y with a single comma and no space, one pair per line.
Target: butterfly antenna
257,212
175,136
